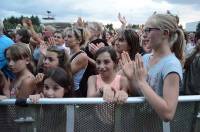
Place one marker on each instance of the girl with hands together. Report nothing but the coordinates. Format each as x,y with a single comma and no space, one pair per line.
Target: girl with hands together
160,86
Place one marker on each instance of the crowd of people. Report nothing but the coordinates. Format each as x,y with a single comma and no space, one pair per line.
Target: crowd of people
159,61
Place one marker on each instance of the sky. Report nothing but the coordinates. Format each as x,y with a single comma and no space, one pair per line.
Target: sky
105,11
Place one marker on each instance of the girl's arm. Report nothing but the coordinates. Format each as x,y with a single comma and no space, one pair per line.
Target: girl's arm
34,35
6,89
92,91
91,61
122,95
166,106
124,84
78,63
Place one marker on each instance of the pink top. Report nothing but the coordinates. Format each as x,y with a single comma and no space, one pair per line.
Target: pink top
114,84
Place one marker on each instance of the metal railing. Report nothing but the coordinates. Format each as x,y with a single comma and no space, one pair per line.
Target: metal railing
94,114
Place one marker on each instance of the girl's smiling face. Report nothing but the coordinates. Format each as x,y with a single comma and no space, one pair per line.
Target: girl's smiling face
52,89
105,65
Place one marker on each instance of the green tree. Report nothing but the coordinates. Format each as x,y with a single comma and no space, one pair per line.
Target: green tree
11,22
109,27
135,26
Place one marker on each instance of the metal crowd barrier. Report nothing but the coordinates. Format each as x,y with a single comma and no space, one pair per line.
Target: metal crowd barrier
95,115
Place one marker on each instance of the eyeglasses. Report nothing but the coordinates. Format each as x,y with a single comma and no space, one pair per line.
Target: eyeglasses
148,30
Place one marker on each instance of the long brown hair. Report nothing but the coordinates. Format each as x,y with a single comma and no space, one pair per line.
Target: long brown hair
132,39
62,78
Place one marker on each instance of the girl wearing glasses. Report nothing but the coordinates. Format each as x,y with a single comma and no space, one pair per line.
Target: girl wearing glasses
156,76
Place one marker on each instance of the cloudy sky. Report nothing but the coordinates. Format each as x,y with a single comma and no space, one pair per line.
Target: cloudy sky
135,11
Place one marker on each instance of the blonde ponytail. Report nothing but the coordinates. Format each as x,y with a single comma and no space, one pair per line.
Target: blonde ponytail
177,45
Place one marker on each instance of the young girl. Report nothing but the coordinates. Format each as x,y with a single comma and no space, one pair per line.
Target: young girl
57,84
128,40
158,74
54,57
19,61
108,84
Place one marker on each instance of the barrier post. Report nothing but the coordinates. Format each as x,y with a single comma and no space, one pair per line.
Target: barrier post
70,118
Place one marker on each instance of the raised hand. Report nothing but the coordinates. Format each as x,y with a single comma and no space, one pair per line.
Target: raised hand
51,41
80,22
101,44
122,19
43,49
140,73
27,23
39,78
127,65
93,48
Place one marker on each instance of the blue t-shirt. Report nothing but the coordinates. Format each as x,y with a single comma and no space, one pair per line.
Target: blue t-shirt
5,42
158,72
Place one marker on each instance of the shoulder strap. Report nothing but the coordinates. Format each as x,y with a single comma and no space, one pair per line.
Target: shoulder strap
71,59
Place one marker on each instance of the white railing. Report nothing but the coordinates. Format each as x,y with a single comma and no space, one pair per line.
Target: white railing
130,100
73,102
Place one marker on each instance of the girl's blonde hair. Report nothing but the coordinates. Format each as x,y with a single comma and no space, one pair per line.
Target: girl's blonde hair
21,51
169,22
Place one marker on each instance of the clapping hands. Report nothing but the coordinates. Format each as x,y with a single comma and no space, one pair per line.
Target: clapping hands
133,70
93,48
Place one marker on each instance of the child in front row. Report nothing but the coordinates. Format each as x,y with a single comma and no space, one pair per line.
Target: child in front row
57,84
107,84
19,61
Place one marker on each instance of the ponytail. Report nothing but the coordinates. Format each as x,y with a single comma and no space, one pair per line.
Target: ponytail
178,44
